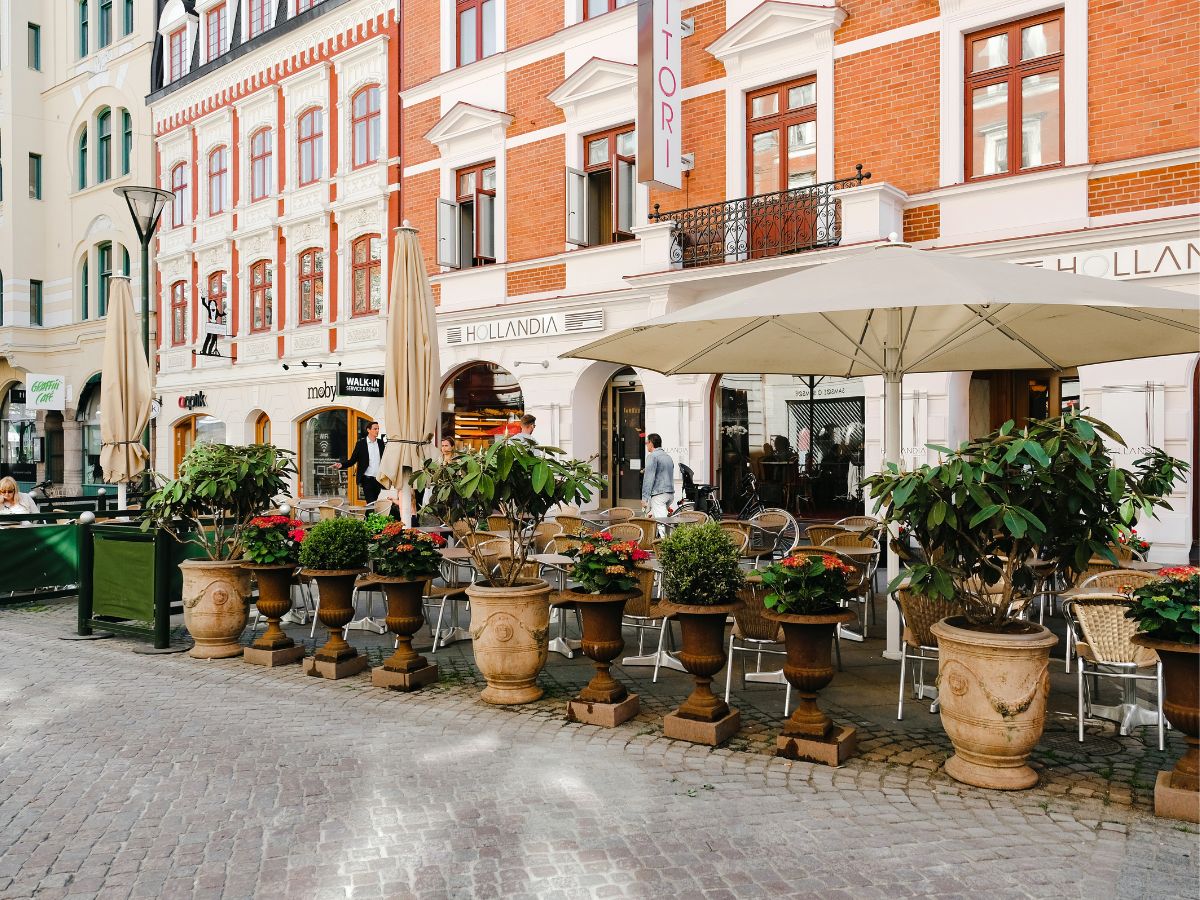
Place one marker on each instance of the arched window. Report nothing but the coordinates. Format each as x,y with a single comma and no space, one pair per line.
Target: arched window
125,261
104,145
179,205
479,402
365,125
104,258
81,159
262,295
310,145
83,29
260,164
178,313
84,304
126,141
364,275
312,286
218,180
106,29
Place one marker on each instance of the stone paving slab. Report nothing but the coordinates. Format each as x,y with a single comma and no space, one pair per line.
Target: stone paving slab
124,775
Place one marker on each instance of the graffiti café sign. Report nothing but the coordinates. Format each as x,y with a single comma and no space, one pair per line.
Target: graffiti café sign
45,392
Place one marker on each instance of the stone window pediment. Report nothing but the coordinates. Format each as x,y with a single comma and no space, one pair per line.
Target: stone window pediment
597,79
804,29
464,121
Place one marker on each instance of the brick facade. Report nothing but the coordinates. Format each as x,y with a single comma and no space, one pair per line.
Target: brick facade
709,21
527,89
536,280
418,120
420,44
1148,189
532,20
923,223
536,199
867,17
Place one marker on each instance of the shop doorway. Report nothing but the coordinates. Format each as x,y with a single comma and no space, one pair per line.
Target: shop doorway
997,396
193,430
18,436
326,437
480,402
53,427
623,439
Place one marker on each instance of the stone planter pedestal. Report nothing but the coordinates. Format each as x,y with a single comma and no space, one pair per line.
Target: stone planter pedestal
605,701
274,647
704,718
336,659
1177,793
405,669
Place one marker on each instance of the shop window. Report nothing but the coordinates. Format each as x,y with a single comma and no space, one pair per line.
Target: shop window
106,22
81,159
104,257
89,418
181,201
476,30
310,147
798,439
104,145
479,403
82,12
600,198
262,295
312,286
260,21
327,437
178,313
218,180
262,429
365,126
1014,97
196,430
84,301
260,164
467,225
176,54
126,141
217,31
594,8
18,433
365,275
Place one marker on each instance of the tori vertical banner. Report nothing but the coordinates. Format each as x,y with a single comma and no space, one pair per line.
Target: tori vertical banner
660,86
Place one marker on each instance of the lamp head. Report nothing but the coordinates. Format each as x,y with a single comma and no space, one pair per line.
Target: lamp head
145,206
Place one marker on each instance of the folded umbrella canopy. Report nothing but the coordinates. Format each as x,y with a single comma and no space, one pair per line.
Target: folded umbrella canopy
894,310
125,380
412,369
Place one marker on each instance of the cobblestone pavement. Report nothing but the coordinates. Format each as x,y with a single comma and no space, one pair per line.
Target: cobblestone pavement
161,776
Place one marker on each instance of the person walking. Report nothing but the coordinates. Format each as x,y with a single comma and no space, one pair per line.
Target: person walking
365,458
658,479
528,423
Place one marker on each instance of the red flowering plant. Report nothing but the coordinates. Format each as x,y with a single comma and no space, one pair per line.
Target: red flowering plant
399,552
807,585
1168,608
604,565
273,540
1137,544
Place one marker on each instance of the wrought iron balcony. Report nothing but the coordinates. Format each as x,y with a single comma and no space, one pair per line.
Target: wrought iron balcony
758,227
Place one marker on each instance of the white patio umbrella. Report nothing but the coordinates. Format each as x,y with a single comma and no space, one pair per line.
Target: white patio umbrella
411,368
895,310
125,379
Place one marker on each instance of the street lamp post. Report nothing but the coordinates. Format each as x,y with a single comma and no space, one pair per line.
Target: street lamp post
145,207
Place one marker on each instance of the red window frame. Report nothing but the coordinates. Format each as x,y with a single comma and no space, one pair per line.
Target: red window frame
472,196
218,180
310,134
465,6
176,51
218,287
178,313
610,6
364,126
260,17
261,295
217,31
365,268
179,203
1011,75
779,122
314,280
305,5
260,164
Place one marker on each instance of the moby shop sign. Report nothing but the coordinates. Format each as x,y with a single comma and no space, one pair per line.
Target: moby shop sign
660,88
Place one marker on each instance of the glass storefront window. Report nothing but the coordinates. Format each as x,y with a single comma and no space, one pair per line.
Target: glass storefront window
480,403
18,433
799,438
89,415
196,429
323,441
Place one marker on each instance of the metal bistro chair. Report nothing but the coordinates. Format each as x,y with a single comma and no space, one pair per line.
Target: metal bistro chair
819,534
570,524
758,635
1109,581
645,613
561,643
739,534
453,589
649,531
544,534
860,523
781,525
1105,650
383,506
918,615
863,590
625,532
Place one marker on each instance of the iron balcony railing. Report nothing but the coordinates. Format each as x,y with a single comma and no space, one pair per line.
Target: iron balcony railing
758,227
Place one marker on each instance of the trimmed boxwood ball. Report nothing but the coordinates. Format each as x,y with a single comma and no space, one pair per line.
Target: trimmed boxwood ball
700,566
336,544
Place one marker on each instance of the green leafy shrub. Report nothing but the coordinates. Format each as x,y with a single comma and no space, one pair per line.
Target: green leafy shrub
1168,609
376,522
700,566
335,544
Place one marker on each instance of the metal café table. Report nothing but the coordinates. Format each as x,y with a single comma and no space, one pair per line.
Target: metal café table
660,658
561,565
455,557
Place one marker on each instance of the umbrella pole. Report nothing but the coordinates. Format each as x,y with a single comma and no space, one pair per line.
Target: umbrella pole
892,438
406,501
122,490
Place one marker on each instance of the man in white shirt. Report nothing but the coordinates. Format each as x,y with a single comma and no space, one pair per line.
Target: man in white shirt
365,457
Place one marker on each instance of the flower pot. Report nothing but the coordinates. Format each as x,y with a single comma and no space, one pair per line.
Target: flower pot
405,669
335,587
602,641
992,690
703,718
215,597
510,629
809,733
274,601
1177,793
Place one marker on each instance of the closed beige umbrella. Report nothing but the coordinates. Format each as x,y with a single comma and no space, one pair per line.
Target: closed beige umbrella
125,381
411,368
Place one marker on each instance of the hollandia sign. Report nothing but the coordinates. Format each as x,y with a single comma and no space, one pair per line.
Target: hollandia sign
660,89
45,392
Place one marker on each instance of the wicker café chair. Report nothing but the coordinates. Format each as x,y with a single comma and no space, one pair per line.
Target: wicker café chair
754,633
693,517
864,587
1106,581
497,523
461,528
869,523
619,514
776,526
646,613
625,532
739,534
819,534
570,524
1103,642
649,531
543,534
918,615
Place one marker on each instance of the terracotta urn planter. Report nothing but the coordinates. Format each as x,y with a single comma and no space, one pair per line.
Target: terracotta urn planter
992,690
336,659
405,669
510,628
274,647
703,718
604,701
809,733
215,598
1177,793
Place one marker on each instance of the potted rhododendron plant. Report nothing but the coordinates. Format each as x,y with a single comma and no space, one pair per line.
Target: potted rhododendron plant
272,553
403,560
606,572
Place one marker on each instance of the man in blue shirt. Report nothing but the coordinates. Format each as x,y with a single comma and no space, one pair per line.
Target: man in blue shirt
658,479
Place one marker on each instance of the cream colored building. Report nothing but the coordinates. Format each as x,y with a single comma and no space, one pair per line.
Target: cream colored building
74,125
